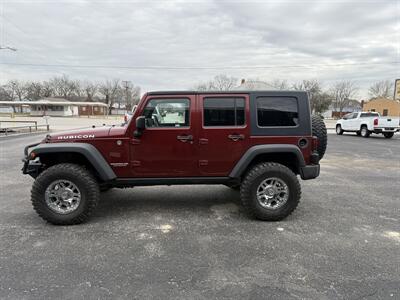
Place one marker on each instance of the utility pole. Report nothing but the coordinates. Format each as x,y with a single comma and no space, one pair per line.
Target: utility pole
126,84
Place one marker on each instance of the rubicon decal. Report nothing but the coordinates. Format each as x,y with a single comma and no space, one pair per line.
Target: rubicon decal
78,136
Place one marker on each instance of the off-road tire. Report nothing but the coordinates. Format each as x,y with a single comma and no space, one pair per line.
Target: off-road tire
364,131
339,130
388,135
82,178
319,130
254,177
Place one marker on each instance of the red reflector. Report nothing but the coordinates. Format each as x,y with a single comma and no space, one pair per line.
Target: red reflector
375,122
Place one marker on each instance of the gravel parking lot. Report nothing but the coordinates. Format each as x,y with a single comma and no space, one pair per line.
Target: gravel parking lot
195,242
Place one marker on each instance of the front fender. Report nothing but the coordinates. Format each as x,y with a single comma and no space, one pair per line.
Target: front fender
87,150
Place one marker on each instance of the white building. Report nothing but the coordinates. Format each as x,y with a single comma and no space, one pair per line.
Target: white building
53,107
56,107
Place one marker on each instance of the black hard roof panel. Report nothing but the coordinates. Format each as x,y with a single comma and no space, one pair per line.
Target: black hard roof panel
224,92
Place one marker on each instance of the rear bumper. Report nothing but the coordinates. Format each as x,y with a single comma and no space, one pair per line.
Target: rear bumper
309,172
385,129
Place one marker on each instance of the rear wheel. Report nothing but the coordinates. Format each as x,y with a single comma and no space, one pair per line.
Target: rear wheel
364,131
388,135
65,194
270,192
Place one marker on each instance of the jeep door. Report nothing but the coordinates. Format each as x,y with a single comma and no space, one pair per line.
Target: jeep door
165,148
223,132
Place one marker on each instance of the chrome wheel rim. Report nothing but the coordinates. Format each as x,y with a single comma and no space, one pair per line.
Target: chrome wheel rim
62,196
363,131
338,129
272,193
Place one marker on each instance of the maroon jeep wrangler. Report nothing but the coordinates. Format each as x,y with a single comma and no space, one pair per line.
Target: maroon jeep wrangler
256,142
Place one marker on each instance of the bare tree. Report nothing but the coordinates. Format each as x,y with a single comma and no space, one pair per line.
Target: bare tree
90,89
19,89
110,89
47,89
34,90
219,83
78,90
135,97
383,88
279,84
63,86
342,92
223,83
319,100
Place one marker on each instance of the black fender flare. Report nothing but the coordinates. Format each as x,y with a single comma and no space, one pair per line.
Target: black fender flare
87,150
252,152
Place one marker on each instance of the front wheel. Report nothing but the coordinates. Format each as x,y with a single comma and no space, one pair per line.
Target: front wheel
65,194
388,135
270,192
339,130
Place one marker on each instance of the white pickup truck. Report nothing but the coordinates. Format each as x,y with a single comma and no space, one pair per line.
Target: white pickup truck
365,123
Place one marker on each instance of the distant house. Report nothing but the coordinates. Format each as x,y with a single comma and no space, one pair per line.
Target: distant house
55,107
385,106
253,85
92,110
59,107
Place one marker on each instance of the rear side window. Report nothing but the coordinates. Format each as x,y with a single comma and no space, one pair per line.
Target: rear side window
369,115
223,111
277,112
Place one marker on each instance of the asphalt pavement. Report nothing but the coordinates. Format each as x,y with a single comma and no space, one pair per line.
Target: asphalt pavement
196,242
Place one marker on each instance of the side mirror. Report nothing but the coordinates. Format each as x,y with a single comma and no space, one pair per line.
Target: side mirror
140,126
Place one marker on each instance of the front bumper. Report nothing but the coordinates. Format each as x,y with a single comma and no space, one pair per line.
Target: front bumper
309,172
31,167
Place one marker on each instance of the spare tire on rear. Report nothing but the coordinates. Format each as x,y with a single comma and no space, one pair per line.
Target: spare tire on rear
319,130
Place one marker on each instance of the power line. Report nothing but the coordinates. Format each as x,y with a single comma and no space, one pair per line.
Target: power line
309,66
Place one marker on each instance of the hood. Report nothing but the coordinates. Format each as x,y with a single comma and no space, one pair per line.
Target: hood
80,134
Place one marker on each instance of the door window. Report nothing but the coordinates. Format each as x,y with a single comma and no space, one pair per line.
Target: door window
223,111
385,112
167,113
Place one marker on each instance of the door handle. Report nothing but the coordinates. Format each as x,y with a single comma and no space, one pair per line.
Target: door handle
185,138
236,137
203,141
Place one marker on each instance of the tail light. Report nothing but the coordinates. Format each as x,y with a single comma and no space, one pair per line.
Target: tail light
376,122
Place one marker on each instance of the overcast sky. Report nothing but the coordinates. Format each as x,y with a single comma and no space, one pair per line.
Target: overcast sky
175,44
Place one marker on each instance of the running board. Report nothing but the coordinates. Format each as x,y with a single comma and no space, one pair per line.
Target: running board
126,182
